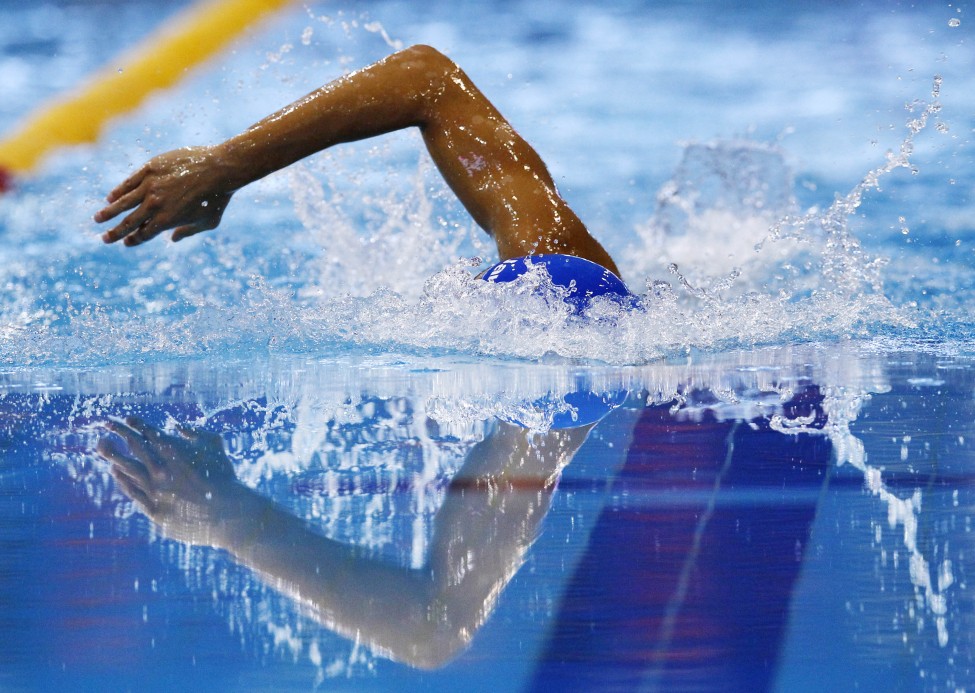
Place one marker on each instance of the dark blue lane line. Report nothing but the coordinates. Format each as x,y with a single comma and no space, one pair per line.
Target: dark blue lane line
619,628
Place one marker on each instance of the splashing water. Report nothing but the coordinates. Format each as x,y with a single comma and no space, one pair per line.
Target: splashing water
842,406
379,269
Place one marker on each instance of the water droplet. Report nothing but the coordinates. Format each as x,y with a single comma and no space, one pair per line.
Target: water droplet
205,203
953,22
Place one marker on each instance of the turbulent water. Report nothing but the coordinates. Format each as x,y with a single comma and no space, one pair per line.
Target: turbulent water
822,221
788,192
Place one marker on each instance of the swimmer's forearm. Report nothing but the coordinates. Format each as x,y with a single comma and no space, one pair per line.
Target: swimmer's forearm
360,597
419,617
423,617
389,95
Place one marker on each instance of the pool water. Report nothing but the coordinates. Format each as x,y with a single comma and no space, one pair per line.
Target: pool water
777,490
748,521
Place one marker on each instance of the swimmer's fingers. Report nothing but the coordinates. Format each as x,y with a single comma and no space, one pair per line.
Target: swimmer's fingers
139,445
124,465
129,474
122,203
128,185
133,491
154,215
131,224
129,195
148,230
148,221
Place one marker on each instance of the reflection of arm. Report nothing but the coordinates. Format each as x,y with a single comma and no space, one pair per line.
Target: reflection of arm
491,515
422,617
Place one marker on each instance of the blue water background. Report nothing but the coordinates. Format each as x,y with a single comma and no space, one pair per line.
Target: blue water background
763,520
792,107
308,333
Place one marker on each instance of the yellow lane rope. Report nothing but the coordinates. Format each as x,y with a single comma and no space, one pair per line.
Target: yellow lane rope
158,62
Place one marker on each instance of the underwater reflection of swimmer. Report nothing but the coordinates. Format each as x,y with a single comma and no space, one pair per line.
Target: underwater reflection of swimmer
186,484
685,584
497,175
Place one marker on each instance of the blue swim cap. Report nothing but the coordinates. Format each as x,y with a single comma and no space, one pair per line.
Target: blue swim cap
583,278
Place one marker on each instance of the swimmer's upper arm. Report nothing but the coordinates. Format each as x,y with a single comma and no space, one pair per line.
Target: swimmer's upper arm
497,175
502,180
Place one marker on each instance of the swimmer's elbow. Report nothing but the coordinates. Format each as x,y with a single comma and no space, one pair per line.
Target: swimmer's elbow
437,633
430,651
428,57
425,52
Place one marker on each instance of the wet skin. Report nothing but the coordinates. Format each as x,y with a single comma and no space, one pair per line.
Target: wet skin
186,485
497,175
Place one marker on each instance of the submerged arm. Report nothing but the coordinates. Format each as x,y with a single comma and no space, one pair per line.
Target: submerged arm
495,173
423,617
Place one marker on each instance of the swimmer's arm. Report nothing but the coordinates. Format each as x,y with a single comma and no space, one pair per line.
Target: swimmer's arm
188,189
422,617
497,175
185,483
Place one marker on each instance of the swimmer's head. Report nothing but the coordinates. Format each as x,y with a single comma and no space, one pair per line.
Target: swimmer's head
583,278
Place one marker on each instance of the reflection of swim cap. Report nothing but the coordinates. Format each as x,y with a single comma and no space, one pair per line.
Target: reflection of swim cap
584,408
583,278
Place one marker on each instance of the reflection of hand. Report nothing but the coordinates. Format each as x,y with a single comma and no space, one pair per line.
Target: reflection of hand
184,190
185,483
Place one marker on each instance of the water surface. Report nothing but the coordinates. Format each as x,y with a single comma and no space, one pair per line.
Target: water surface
778,491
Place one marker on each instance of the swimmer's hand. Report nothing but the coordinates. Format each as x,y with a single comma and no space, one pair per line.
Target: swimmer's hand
184,483
185,190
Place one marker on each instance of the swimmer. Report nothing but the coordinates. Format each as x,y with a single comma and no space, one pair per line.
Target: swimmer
492,511
185,483
500,179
